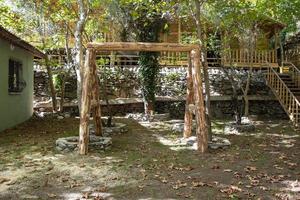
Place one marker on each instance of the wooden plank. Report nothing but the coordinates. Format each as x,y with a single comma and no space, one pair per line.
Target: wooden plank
141,46
201,130
85,103
188,116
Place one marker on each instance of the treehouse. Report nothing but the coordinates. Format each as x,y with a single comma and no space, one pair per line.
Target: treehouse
237,51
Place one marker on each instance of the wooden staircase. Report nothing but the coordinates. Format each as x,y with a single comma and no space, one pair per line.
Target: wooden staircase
285,84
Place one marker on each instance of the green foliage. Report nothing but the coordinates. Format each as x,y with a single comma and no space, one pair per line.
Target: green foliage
11,20
148,73
172,77
149,25
57,81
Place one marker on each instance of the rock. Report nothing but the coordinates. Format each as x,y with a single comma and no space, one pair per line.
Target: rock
27,197
191,140
70,144
235,129
179,127
144,117
161,117
216,143
116,129
67,115
60,117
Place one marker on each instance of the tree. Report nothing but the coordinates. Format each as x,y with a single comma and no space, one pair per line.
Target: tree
38,28
202,39
78,48
146,18
237,20
287,12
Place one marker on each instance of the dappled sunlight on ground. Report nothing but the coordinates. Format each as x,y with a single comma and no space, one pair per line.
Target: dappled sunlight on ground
149,162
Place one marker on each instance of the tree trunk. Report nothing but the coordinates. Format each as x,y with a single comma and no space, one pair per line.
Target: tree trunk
62,93
51,84
201,130
149,107
105,94
245,95
202,42
78,48
188,117
86,103
236,107
235,100
96,98
252,42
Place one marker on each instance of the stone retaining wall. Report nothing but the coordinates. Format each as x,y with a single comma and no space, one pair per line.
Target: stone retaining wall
171,82
270,109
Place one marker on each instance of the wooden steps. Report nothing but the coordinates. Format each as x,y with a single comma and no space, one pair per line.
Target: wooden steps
286,87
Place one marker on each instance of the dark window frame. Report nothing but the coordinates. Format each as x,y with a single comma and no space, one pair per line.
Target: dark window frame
16,84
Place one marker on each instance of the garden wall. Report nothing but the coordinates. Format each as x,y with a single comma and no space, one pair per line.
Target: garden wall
172,83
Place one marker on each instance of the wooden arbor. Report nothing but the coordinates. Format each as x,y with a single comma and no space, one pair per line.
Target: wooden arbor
90,89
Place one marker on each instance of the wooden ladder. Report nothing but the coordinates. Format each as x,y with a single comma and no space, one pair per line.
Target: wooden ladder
286,87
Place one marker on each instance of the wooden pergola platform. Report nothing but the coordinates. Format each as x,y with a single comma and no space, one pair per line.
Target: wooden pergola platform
90,99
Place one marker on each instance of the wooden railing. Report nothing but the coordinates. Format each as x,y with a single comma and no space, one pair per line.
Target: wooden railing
287,99
244,56
239,56
131,61
173,59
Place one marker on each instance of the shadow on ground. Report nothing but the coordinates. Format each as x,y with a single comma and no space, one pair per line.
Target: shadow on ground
264,164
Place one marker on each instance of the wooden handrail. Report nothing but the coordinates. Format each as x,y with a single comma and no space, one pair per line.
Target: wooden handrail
271,68
287,99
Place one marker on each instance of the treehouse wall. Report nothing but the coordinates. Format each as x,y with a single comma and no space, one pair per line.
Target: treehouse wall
15,108
262,42
177,31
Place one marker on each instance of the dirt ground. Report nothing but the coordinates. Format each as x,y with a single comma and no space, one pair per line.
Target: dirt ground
262,165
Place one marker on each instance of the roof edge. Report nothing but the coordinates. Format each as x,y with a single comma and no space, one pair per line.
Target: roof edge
15,40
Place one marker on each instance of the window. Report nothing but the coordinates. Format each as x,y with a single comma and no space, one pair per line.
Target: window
15,82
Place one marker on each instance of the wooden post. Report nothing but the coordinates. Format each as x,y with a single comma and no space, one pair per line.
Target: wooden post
85,102
96,97
188,117
201,130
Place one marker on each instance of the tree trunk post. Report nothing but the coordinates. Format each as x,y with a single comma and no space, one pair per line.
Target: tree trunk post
188,117
201,130
96,97
62,93
86,102
51,85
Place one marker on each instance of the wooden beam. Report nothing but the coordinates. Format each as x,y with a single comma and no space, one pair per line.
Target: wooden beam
140,46
86,102
96,98
201,130
188,116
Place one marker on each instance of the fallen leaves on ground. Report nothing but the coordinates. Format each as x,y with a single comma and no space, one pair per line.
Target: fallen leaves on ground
231,189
